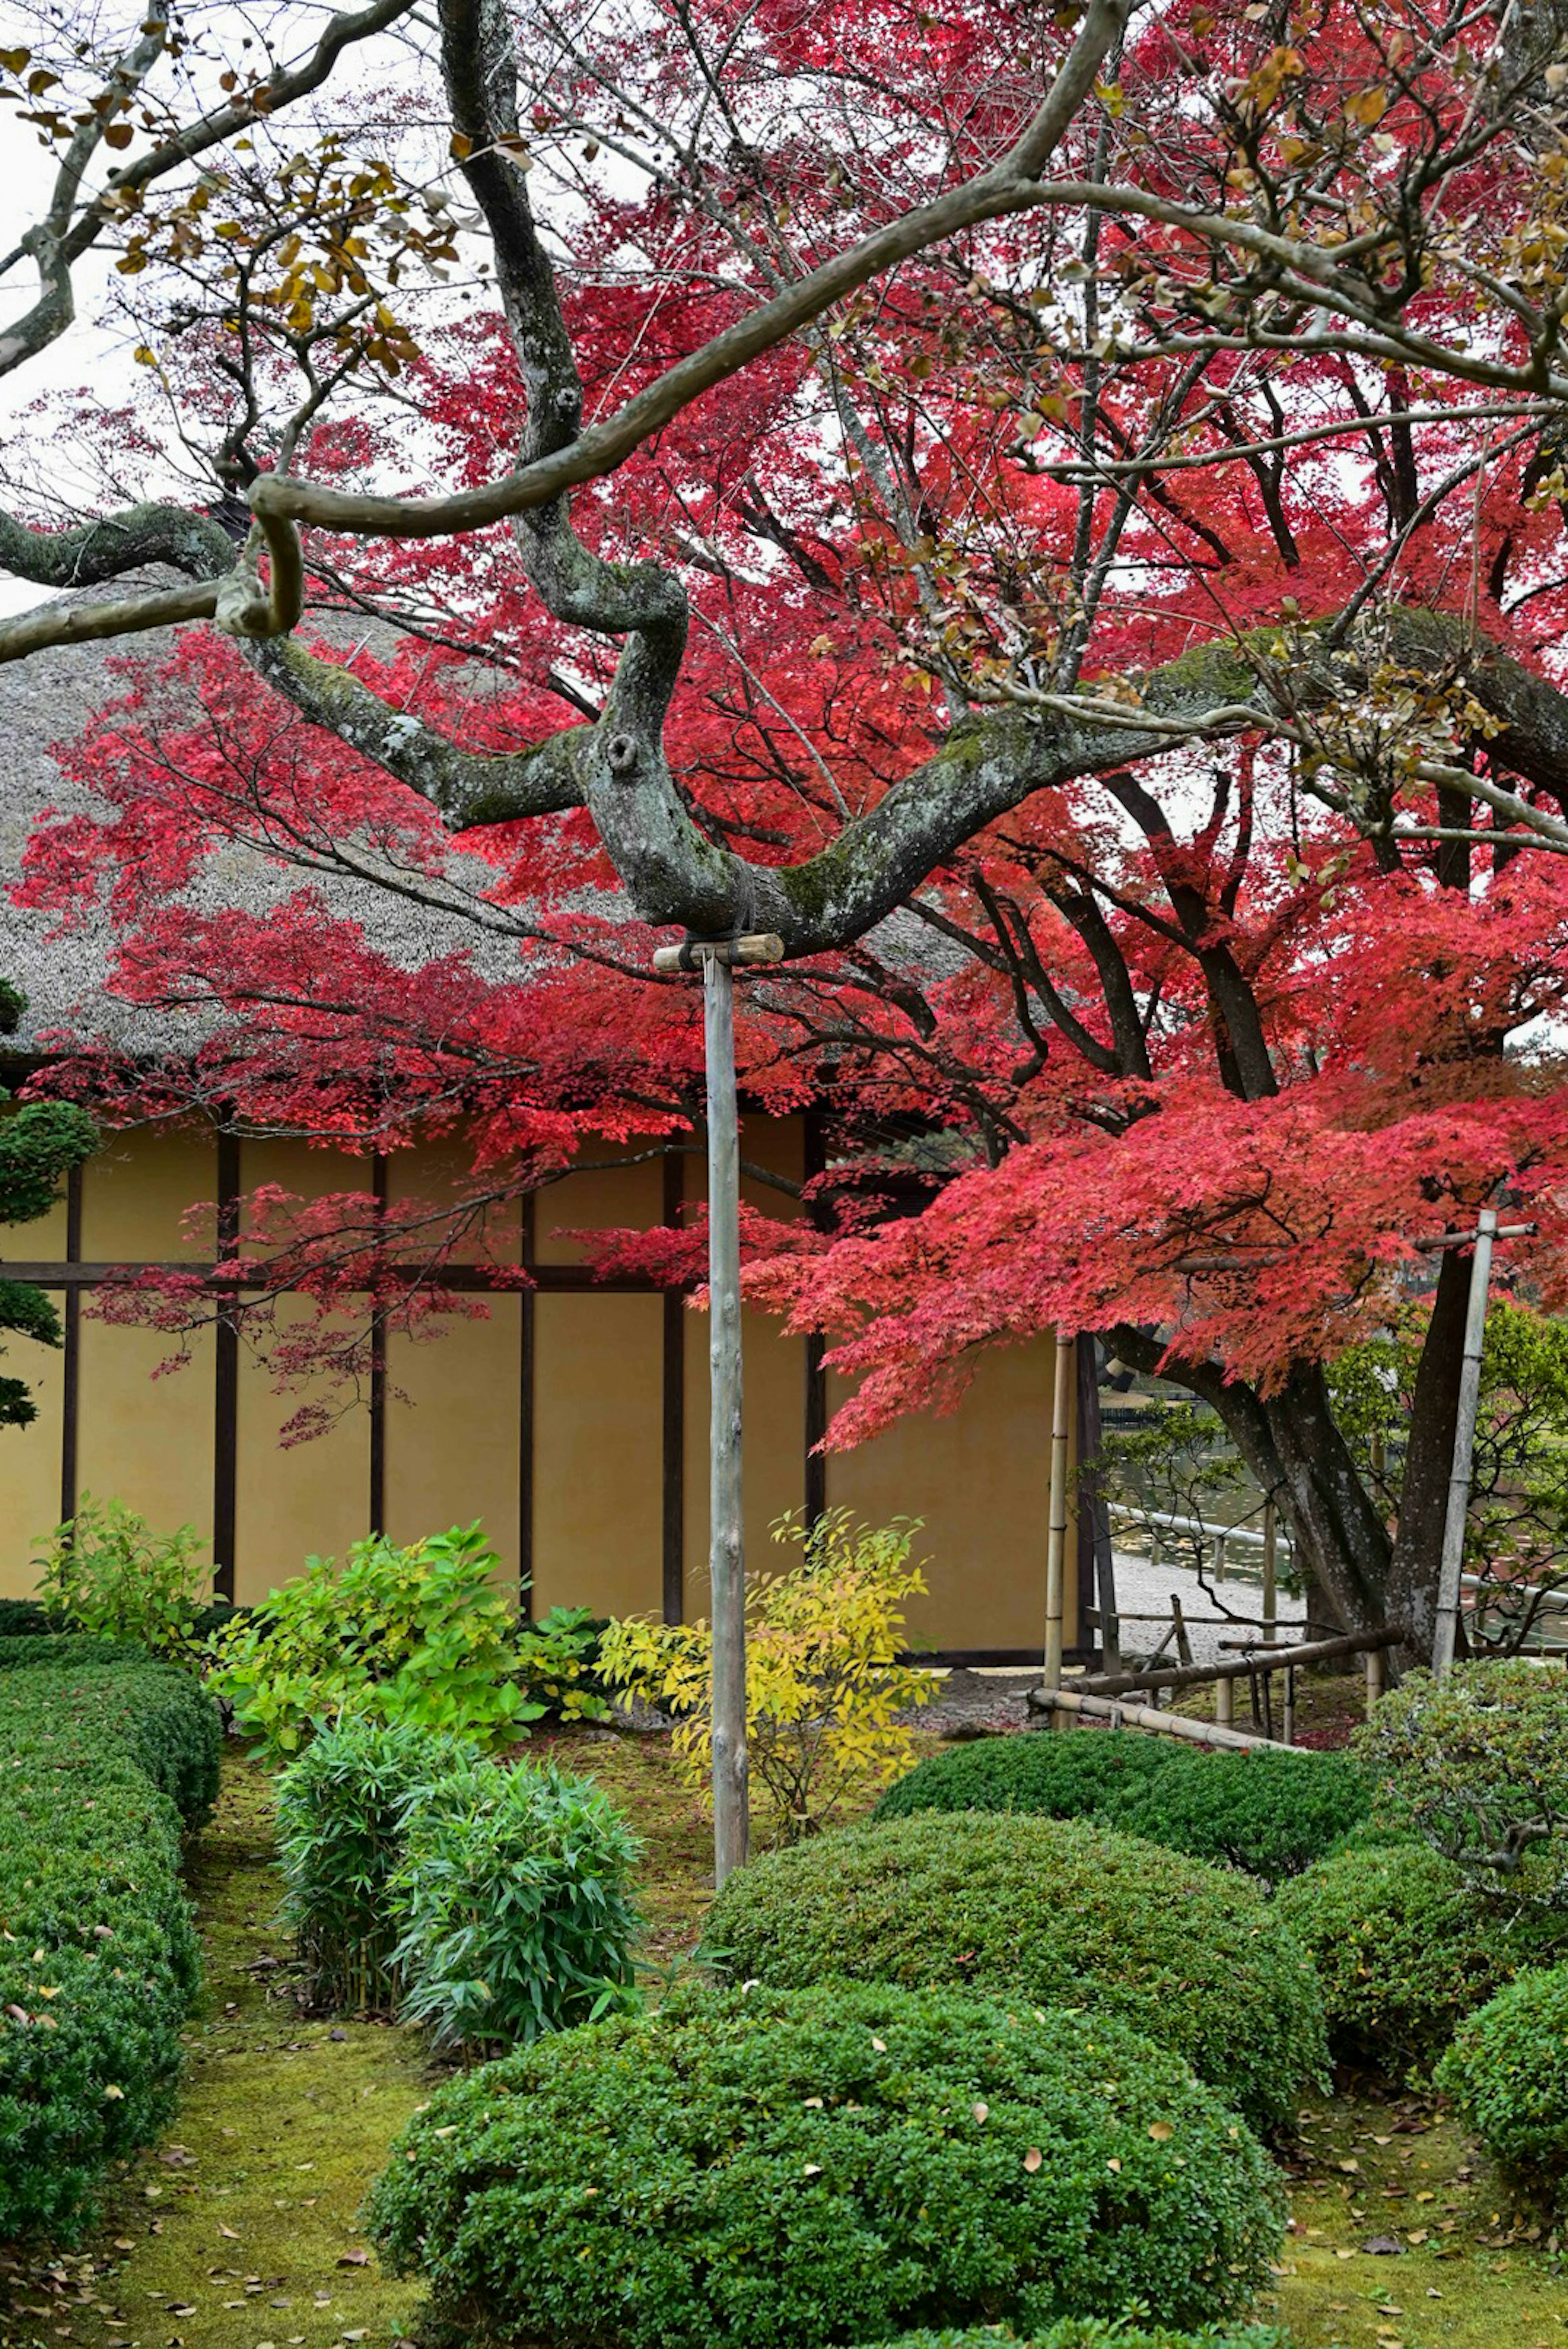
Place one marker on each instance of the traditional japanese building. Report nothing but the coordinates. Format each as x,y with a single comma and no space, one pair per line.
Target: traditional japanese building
572,1418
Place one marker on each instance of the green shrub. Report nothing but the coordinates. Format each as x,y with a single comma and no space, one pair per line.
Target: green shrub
1056,1911
1477,1765
1093,2332
1272,1813
1055,1777
1405,1949
827,1685
1507,2072
820,2168
340,1806
513,1904
105,1571
23,1619
99,1961
420,1633
56,1651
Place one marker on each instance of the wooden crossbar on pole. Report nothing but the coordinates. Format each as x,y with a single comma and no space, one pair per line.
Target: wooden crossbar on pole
1262,1658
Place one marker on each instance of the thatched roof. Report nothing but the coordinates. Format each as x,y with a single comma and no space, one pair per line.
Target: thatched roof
64,969
48,700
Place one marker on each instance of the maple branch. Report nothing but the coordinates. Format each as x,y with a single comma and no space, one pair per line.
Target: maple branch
468,789
59,240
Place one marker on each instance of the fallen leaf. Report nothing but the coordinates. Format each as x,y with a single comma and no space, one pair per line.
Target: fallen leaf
1160,2131
354,2258
1033,2160
981,2111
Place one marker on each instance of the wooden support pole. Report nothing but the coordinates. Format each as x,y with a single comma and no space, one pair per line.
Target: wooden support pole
1178,1625
1224,1702
1446,1634
717,959
726,1547
1063,1396
1070,1702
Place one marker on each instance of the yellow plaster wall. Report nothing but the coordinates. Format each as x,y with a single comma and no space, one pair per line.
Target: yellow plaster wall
598,1483
300,1168
452,1446
773,1373
135,1195
312,1497
981,1481
29,1465
144,1440
623,1196
432,1173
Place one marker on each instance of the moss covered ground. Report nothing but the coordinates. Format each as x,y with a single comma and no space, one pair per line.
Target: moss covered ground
240,2230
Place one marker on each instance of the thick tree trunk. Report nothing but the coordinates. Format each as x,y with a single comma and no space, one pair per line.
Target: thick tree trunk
1342,1539
1295,1451
1429,1460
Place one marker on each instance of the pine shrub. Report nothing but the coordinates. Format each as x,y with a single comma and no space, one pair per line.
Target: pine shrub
820,2168
1094,2333
1272,1814
1405,1949
1053,1776
1477,1765
98,1769
1056,1911
1507,2072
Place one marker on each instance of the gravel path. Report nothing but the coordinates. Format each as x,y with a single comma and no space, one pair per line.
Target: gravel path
1145,1589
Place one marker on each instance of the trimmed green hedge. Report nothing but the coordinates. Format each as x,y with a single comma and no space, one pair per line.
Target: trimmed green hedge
99,1766
1405,1949
1056,1911
1051,1775
823,2166
25,1618
1272,1814
1090,2333
61,1652
1507,2072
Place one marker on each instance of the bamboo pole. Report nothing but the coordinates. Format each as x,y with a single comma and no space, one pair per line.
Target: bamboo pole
1446,1634
1264,1660
1063,1387
1071,1702
1271,1572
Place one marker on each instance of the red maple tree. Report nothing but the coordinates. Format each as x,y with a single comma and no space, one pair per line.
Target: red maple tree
1117,650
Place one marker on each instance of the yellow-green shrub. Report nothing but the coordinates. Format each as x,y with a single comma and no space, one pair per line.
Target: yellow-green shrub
824,1684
